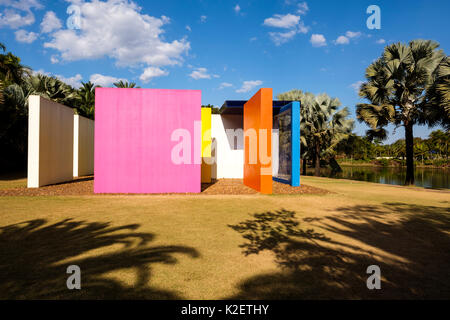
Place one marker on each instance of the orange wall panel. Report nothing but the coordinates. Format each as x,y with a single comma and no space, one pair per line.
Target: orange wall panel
258,117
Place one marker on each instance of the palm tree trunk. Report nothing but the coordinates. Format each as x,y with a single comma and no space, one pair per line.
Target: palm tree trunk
317,164
409,141
304,166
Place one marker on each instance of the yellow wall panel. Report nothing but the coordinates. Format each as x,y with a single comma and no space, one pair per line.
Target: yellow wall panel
206,144
206,132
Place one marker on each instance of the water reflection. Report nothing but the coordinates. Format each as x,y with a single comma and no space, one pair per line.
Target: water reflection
424,177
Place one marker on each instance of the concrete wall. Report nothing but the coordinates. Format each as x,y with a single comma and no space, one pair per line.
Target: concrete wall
83,146
227,146
50,142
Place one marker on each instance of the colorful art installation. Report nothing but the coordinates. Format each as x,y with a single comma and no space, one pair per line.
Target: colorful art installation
163,141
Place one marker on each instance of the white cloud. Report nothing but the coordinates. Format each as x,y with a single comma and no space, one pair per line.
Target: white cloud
188,28
54,59
351,34
119,30
152,72
282,37
253,39
249,85
74,81
342,40
50,22
25,36
203,19
224,85
356,85
302,8
200,73
17,14
318,40
104,81
237,9
287,21
23,5
381,41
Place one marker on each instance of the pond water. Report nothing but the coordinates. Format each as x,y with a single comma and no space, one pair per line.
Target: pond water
424,177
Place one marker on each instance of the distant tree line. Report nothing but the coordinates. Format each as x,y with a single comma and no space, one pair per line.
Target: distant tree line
431,151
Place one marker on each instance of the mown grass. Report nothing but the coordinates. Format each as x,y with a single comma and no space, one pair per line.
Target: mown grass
215,247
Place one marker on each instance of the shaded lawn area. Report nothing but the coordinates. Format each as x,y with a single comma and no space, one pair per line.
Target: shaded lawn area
13,180
216,247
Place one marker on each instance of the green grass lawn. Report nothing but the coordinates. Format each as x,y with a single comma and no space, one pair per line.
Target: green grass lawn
216,247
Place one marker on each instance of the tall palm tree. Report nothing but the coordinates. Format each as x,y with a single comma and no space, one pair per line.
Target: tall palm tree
396,86
125,84
86,100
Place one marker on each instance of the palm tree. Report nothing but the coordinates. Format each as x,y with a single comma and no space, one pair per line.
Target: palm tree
86,100
327,126
397,88
11,70
51,88
322,125
437,99
440,140
2,46
420,150
126,84
13,125
298,95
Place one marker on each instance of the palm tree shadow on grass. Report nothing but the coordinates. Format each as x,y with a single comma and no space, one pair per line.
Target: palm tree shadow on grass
313,266
32,262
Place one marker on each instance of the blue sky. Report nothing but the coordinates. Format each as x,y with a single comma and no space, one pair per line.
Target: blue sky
227,49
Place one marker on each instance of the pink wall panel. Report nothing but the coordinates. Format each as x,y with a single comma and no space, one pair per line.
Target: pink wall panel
133,146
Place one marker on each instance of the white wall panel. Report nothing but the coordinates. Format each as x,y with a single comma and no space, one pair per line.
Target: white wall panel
50,142
228,146
83,146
